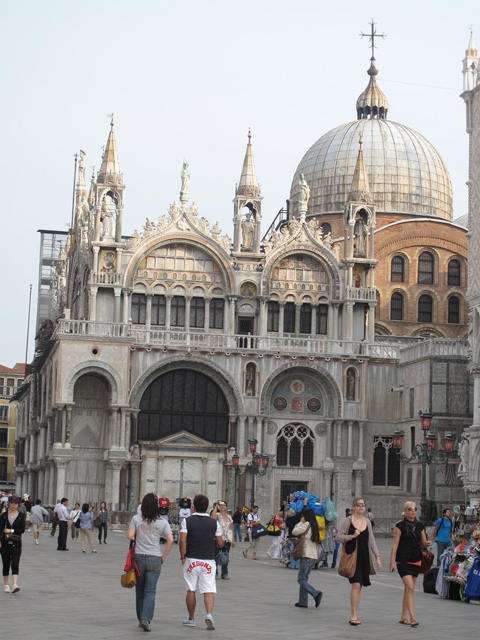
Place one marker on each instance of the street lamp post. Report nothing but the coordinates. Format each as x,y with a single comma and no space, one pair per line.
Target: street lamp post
257,467
426,453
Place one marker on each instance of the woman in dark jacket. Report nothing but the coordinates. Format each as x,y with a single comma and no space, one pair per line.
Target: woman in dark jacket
103,515
12,525
408,539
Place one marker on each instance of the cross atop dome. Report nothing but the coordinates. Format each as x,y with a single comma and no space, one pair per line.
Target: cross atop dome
372,103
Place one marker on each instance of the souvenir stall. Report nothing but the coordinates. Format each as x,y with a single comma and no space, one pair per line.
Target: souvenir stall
325,513
458,576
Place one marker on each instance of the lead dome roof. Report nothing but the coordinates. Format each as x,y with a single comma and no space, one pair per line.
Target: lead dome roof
406,173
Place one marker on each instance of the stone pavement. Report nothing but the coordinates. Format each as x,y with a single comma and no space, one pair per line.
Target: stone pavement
74,595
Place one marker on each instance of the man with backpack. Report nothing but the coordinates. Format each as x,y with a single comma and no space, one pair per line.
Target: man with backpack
442,533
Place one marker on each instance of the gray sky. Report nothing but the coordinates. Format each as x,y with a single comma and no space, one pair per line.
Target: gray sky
185,81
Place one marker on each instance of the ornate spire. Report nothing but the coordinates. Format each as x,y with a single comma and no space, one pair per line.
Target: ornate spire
248,185
110,170
372,103
91,194
471,75
360,189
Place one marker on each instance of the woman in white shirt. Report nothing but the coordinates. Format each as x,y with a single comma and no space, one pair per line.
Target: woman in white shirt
226,524
74,516
145,531
308,528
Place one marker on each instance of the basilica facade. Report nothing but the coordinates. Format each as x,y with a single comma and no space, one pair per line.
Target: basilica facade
165,357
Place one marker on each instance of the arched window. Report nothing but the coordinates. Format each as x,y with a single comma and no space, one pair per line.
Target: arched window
425,268
326,228
386,463
398,269
273,316
159,310
183,400
217,310
396,307
454,273
295,446
322,319
289,318
197,313
425,308
305,318
350,384
139,308
177,317
454,310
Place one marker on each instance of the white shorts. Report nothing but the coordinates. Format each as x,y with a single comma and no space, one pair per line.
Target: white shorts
200,575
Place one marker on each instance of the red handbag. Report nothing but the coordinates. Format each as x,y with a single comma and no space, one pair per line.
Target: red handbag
427,561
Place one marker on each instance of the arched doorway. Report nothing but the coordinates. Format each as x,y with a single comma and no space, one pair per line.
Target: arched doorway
183,428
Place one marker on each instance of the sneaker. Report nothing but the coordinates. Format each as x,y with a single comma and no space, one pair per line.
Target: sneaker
104,542
145,625
15,588
95,551
189,622
225,578
318,599
6,588
83,551
209,621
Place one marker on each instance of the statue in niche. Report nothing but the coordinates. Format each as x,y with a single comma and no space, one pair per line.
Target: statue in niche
216,231
350,386
360,231
81,168
304,190
250,379
248,228
107,218
185,175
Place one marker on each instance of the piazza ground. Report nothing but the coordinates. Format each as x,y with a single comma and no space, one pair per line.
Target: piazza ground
75,595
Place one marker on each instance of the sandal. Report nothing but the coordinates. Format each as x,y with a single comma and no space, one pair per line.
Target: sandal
414,623
404,621
354,623
244,554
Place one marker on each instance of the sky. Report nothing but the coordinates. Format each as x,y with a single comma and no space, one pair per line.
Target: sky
185,81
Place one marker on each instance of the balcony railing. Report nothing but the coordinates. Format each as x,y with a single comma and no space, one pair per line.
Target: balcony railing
435,347
93,329
360,294
106,278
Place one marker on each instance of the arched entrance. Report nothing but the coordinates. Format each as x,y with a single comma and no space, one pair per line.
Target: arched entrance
183,428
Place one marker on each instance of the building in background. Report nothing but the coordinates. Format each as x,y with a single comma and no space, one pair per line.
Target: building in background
163,356
10,381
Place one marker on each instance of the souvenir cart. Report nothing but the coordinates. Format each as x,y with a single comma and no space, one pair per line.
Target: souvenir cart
459,572
325,514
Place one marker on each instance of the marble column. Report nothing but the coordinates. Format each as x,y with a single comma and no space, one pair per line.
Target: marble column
93,303
241,436
188,300
148,311
230,493
116,304
61,473
335,322
298,308
133,496
126,306
358,473
231,328
360,439
327,483
160,460
262,318
44,496
226,315
204,475
313,328
207,313
281,318
51,487
371,323
350,439
115,495
348,321
168,311
338,426
68,424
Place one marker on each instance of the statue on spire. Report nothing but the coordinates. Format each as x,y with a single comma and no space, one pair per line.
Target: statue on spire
185,175
304,191
81,169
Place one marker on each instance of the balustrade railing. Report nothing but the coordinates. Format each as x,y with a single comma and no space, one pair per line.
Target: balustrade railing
360,293
194,340
106,277
435,347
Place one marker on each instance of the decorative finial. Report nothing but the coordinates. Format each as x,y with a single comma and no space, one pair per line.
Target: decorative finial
360,140
372,35
110,115
249,135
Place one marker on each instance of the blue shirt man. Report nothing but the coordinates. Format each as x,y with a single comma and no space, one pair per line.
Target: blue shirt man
442,534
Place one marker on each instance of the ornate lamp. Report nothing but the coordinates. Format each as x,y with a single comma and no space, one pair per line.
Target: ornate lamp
235,460
265,461
425,420
253,445
397,439
431,441
448,442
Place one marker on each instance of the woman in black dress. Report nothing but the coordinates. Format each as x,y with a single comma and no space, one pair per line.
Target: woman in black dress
408,539
356,531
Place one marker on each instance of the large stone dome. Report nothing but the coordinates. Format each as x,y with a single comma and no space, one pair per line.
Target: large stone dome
405,172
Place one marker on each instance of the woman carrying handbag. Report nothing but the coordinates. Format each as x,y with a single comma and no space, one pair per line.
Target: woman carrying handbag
408,539
307,529
12,525
356,535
